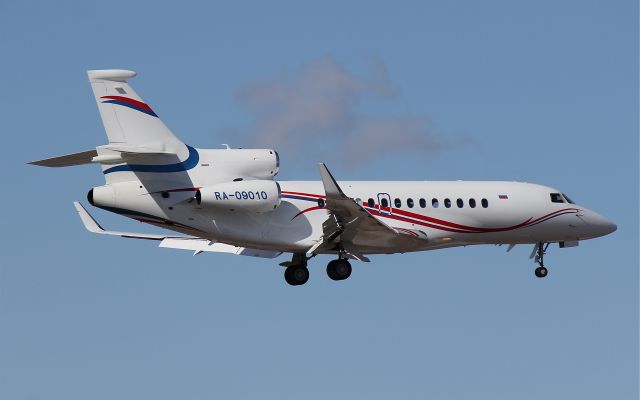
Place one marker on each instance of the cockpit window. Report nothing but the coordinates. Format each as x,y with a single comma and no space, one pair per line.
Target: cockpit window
560,198
556,198
567,199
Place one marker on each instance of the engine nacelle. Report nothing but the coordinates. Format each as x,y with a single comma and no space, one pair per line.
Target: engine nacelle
229,164
254,196
102,196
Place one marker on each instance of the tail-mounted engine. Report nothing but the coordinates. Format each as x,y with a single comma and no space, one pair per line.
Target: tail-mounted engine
253,196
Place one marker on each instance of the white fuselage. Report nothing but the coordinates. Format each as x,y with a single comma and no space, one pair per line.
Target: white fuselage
449,213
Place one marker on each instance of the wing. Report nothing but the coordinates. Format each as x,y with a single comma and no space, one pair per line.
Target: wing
353,229
197,245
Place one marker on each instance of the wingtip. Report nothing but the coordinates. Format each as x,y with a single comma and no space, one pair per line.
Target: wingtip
330,184
78,206
88,221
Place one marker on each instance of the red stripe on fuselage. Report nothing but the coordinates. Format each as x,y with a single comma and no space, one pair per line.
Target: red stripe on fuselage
431,222
555,212
306,210
315,196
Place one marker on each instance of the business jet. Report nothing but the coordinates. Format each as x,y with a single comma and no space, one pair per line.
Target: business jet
227,200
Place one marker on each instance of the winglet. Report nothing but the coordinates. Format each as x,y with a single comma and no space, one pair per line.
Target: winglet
92,226
87,219
331,187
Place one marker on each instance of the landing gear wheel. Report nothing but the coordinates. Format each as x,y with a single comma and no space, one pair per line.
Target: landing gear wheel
296,275
339,270
541,272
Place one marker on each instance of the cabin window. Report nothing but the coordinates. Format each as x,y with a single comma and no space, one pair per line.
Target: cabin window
371,203
321,203
447,203
384,202
423,203
435,203
397,203
460,203
484,203
472,203
410,203
165,195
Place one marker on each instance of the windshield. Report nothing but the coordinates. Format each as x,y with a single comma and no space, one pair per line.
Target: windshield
567,199
560,198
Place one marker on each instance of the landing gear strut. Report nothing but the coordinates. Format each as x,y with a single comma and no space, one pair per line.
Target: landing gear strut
541,271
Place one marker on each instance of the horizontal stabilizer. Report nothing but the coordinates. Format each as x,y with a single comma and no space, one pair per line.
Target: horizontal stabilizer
83,157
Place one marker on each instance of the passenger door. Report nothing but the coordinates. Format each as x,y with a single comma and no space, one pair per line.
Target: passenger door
384,204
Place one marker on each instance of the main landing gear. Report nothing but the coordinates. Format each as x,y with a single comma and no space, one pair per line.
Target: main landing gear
297,272
296,275
339,269
541,249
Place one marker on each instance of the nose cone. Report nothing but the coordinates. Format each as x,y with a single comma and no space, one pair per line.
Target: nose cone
599,225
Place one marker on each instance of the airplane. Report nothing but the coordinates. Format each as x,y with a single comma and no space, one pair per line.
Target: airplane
227,200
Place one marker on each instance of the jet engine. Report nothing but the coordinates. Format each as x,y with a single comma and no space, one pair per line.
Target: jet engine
254,196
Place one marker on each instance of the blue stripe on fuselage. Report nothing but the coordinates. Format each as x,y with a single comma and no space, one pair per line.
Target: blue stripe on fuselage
185,165
288,196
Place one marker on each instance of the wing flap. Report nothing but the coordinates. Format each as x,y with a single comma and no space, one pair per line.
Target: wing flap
204,245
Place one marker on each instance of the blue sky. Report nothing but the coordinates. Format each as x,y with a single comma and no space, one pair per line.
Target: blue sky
544,92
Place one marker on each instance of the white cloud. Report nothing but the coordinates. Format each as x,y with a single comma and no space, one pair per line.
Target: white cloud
313,113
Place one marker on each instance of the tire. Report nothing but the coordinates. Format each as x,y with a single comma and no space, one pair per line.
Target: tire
296,275
331,270
288,278
541,272
343,269
339,270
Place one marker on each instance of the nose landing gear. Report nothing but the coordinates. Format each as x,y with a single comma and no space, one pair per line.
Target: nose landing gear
541,249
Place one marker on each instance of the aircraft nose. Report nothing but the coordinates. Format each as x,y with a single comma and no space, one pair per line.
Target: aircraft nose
600,225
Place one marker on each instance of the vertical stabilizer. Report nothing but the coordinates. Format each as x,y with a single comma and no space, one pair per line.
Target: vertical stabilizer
127,119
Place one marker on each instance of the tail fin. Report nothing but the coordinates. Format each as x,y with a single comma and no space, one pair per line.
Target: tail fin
127,120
